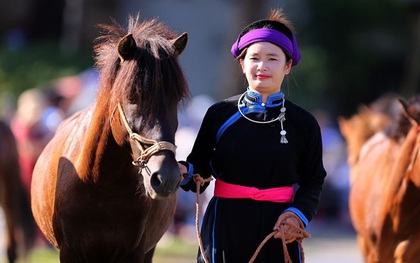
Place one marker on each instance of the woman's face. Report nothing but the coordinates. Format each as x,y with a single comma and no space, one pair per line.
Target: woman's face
265,66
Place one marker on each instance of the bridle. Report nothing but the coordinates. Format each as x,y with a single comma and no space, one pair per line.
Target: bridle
142,147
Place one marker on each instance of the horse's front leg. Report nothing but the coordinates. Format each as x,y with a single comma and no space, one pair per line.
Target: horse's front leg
11,241
66,256
149,255
140,255
11,250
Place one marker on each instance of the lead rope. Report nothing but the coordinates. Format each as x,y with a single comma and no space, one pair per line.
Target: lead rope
298,237
199,182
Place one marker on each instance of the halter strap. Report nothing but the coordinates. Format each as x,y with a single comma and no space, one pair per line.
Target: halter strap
139,141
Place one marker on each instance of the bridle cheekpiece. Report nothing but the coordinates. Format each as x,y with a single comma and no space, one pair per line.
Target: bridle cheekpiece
138,144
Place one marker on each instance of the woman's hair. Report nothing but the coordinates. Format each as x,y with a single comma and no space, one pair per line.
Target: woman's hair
279,16
277,21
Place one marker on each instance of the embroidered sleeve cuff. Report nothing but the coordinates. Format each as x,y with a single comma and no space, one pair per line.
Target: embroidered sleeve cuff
299,214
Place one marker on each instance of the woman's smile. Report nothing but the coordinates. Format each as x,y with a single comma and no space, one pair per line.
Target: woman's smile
262,76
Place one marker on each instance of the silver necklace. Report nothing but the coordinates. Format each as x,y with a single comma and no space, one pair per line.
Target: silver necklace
280,118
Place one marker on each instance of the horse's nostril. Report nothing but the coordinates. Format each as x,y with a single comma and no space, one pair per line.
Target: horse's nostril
156,180
163,183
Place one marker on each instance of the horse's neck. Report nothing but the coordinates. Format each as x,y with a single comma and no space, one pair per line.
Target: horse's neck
96,144
414,167
407,158
404,200
399,176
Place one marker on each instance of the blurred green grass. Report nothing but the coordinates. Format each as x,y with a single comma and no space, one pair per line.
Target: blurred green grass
170,249
38,255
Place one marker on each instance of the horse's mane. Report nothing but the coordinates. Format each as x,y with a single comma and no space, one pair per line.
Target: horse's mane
153,72
150,78
414,108
401,123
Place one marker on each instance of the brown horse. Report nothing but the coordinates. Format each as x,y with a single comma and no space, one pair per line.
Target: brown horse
20,225
103,190
359,128
385,191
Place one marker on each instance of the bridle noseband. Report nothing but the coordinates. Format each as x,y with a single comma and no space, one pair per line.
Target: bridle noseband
138,144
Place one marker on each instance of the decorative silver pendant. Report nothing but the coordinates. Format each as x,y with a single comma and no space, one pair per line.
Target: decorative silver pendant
282,118
283,139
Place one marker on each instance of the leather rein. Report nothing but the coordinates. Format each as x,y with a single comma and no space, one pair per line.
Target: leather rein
139,144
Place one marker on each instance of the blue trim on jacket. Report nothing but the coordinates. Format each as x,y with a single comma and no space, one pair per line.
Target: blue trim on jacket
190,172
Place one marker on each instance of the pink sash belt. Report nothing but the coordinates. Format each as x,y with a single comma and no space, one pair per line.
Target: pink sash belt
278,195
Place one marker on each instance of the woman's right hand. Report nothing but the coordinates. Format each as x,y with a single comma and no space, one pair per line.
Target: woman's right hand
200,180
182,168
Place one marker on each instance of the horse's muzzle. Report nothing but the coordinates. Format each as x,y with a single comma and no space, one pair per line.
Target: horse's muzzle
164,178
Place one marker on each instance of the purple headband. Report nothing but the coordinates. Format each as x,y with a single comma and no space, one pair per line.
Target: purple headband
267,35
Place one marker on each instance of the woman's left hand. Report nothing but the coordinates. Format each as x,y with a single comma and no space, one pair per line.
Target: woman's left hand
289,225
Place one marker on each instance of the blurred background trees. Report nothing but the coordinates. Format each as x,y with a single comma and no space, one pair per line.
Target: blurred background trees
353,51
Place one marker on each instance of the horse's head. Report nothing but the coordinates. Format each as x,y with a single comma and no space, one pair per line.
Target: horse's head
357,129
146,84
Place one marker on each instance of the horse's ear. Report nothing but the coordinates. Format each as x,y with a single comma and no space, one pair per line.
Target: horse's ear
342,125
406,111
403,103
180,43
126,47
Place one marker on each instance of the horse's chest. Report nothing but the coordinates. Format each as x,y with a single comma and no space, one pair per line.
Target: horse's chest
102,213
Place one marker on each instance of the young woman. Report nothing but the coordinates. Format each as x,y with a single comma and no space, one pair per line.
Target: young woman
264,151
